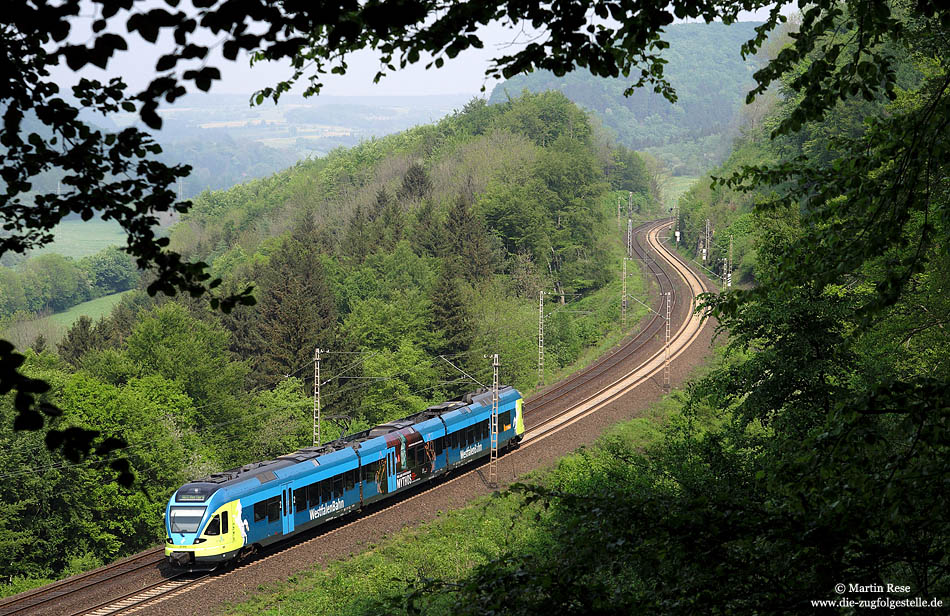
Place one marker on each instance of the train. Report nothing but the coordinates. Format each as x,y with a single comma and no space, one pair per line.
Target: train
218,520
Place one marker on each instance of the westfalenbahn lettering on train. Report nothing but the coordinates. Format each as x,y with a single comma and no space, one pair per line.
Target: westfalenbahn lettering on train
326,509
470,451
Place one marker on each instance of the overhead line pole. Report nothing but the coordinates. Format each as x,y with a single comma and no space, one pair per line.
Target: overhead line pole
316,397
729,266
493,456
676,223
540,338
623,298
629,237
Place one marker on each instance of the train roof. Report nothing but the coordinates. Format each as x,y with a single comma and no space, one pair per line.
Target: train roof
330,453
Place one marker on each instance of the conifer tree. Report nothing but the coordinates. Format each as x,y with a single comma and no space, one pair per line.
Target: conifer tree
429,236
415,184
386,219
356,238
469,241
79,340
450,314
297,311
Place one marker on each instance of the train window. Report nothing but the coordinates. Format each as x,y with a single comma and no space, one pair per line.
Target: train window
504,420
300,500
224,523
470,436
326,491
313,494
214,527
273,509
185,519
338,486
484,429
439,445
349,479
260,511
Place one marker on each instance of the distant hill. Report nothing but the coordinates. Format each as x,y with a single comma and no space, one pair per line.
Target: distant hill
710,77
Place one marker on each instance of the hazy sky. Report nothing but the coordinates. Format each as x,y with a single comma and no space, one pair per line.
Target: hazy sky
464,74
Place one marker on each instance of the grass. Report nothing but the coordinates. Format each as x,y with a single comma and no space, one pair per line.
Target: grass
54,327
95,309
78,238
674,187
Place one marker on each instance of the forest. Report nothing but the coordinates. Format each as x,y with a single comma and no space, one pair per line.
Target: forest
392,255
703,63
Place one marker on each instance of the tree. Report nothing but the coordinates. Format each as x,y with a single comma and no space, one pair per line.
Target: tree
172,343
429,232
79,340
470,243
415,184
110,271
297,311
357,242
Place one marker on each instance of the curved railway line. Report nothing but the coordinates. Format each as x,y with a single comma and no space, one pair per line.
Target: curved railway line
113,589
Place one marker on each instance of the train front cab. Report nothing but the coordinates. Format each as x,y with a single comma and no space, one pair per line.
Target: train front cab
197,539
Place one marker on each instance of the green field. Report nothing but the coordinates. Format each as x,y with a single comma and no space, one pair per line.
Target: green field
675,186
78,238
94,309
54,327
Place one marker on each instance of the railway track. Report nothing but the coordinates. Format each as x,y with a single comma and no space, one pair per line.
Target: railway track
546,413
680,340
31,602
557,393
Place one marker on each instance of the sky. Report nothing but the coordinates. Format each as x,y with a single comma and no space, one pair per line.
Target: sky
465,74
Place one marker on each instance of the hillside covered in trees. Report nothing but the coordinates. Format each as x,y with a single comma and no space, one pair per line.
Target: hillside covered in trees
433,242
690,136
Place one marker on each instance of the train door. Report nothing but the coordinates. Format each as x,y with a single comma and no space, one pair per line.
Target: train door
287,508
391,469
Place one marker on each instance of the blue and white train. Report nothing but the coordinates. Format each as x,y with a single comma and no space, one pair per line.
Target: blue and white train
229,515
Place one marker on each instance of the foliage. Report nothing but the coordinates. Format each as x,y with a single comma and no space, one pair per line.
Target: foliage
59,512
709,75
51,282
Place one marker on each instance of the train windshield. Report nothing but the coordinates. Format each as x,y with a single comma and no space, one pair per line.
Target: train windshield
185,519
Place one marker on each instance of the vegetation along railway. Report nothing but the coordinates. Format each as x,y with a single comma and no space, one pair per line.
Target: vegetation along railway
140,582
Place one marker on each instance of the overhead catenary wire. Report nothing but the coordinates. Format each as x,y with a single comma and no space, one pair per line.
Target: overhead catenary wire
442,357
65,464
